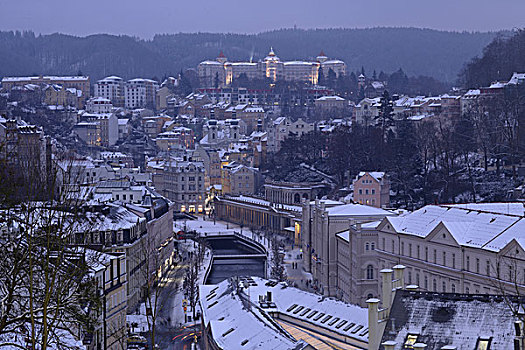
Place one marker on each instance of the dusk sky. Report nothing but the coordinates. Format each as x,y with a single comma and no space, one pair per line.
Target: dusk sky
146,18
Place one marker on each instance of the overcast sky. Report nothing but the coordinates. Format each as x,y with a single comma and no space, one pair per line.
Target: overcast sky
145,18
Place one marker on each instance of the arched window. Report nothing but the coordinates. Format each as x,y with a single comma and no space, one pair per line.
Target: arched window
367,246
297,198
372,246
369,296
434,286
453,288
369,272
467,290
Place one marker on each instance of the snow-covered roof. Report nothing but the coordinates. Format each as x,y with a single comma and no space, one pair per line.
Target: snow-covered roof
210,63
451,319
47,77
330,98
489,227
378,175
355,210
517,78
235,317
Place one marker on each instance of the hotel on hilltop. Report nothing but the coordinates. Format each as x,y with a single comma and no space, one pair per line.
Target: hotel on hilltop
221,72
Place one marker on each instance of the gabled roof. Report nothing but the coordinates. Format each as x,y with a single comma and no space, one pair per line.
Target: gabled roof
469,224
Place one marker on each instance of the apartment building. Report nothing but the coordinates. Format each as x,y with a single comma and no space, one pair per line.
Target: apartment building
77,82
463,248
239,179
111,88
321,222
109,272
182,181
283,127
140,93
372,188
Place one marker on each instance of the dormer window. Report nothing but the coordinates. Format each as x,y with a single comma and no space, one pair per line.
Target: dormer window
410,341
483,343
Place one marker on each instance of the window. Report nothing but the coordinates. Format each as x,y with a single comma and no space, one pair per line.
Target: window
488,268
402,248
483,344
417,279
384,243
409,277
366,191
410,249
372,246
426,253
373,191
467,290
434,285
444,287
435,256
477,265
444,258
418,251
369,272
360,191
453,287
393,246
367,246
410,341
468,263
426,283
453,260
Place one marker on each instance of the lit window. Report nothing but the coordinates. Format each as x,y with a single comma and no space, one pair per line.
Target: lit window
410,341
483,344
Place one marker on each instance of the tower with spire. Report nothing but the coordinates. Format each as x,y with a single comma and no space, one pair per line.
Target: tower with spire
322,58
222,58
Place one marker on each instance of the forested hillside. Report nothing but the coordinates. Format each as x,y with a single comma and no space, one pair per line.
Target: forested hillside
502,57
417,51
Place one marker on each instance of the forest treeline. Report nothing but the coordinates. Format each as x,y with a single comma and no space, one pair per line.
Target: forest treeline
500,59
419,52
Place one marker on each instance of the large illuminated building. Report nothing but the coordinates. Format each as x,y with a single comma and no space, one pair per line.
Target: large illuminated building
220,72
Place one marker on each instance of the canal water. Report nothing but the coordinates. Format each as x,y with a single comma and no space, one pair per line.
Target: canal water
226,268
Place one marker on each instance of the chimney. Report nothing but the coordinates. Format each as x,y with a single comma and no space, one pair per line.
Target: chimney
269,296
386,297
389,345
373,324
399,276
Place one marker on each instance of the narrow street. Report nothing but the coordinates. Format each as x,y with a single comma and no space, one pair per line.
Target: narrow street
171,335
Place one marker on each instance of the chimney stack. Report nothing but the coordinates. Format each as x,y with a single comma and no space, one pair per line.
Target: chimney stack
389,345
386,297
373,324
399,276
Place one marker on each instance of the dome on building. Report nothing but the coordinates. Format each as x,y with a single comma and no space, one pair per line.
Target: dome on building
271,56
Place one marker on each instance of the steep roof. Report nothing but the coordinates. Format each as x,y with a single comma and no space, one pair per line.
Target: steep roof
441,319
